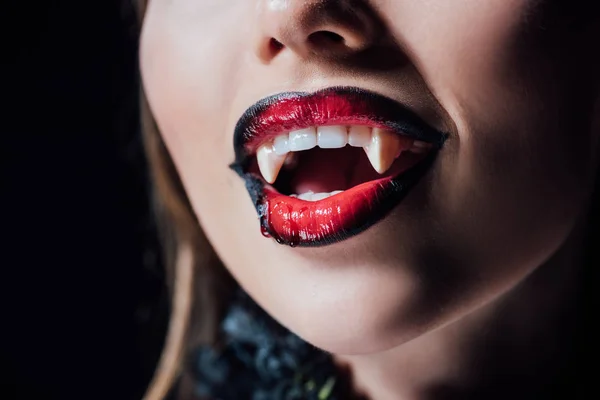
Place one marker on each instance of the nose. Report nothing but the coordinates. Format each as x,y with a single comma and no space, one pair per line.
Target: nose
321,28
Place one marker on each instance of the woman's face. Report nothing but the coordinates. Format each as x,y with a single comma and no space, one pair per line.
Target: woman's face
509,84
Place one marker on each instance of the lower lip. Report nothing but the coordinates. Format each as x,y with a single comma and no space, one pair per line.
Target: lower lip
296,222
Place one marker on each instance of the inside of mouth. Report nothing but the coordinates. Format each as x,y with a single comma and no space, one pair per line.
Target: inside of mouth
327,171
324,171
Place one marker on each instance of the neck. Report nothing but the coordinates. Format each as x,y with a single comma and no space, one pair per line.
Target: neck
518,346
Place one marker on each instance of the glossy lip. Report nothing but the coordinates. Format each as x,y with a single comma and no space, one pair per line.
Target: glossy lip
296,222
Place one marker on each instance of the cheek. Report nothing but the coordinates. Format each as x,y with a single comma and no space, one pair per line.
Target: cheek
512,182
523,126
189,83
518,174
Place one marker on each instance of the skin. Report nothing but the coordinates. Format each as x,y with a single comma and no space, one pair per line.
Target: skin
494,226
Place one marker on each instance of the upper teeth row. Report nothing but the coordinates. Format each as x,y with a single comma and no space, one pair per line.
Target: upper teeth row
382,146
326,137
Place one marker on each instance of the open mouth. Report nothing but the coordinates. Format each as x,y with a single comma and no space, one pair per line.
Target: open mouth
321,167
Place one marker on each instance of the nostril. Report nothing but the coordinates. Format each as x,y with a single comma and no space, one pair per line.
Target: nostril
275,45
325,38
270,49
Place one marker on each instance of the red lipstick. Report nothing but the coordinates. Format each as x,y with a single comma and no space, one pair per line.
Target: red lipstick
366,196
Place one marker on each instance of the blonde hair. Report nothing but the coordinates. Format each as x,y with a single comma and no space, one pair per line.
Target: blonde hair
196,279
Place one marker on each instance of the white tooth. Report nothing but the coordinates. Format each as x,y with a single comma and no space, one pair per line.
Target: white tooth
332,137
359,136
336,192
306,196
303,139
269,162
320,196
281,144
385,146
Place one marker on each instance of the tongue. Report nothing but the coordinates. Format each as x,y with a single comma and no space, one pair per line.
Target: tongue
325,170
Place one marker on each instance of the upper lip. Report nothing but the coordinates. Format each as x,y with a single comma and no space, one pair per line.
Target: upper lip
289,111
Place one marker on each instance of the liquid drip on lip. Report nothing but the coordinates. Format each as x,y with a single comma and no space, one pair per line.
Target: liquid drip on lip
264,230
267,230
264,220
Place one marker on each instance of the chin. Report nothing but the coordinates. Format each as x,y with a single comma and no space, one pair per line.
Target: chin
360,312
357,333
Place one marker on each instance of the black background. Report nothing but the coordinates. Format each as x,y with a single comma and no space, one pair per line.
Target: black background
79,276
